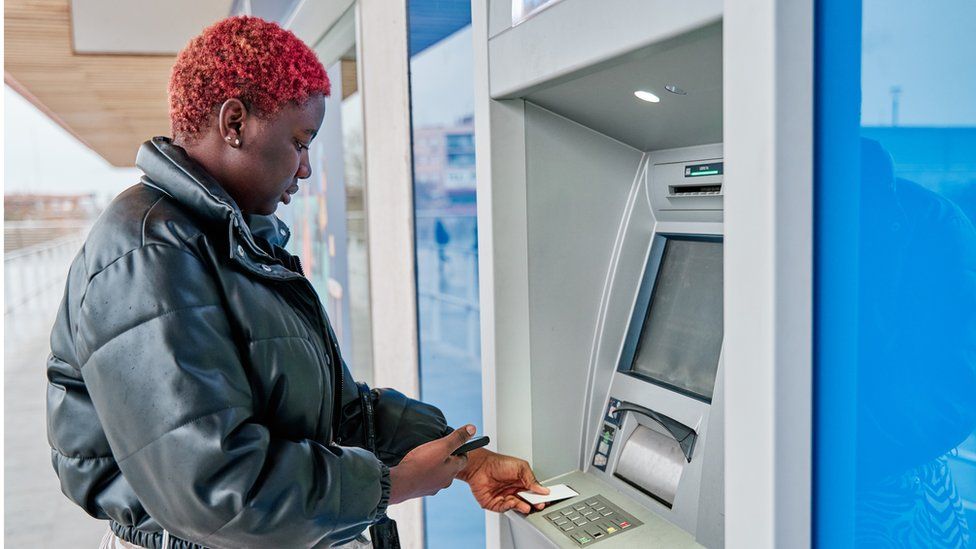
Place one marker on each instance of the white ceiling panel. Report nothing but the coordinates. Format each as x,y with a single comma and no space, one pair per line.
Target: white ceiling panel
141,26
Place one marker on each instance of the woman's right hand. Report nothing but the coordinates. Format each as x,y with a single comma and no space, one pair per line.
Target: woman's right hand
430,467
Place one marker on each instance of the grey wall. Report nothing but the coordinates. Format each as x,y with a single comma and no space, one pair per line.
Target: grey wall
577,186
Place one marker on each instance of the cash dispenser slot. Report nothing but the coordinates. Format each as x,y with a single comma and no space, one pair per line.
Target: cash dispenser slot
651,461
682,434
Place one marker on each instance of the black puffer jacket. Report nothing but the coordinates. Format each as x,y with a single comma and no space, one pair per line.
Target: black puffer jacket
195,383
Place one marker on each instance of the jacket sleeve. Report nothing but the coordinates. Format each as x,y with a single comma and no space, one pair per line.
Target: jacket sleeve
401,423
80,453
158,358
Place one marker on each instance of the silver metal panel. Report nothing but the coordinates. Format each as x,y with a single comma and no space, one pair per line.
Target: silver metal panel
603,98
577,34
577,180
667,170
711,508
769,51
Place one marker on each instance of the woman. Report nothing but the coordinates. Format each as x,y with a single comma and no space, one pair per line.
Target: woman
197,396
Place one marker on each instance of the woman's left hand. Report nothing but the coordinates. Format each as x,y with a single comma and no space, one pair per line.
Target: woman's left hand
496,478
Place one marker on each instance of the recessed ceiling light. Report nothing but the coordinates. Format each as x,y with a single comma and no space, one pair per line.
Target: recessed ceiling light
647,96
675,89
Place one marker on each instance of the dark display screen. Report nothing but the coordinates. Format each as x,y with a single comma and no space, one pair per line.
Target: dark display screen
681,337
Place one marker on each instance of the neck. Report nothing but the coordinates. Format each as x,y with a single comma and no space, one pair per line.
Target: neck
208,151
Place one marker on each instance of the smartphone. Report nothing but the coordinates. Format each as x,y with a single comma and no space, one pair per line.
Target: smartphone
472,444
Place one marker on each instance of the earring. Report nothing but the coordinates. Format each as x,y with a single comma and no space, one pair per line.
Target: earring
237,142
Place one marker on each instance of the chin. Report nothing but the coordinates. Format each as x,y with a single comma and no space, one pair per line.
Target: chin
267,209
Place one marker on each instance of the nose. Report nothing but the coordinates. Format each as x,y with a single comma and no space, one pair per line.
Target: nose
304,167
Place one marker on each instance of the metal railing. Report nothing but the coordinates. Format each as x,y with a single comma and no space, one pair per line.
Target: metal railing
37,271
447,288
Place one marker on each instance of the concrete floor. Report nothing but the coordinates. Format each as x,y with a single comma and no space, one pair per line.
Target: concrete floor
36,513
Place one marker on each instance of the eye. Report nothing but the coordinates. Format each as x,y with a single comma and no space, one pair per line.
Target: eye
299,146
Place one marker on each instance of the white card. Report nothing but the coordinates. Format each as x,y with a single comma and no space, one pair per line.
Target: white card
556,493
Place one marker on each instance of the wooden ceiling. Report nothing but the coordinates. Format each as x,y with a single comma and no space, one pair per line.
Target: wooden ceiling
112,103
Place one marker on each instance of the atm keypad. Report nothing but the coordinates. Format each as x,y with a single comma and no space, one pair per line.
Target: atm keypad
591,521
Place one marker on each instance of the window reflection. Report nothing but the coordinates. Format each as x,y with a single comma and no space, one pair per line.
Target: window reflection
328,219
442,115
916,381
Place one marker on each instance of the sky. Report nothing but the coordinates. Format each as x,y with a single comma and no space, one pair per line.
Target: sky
926,49
41,157
442,81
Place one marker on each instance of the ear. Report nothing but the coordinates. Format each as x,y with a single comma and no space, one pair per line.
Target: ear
231,120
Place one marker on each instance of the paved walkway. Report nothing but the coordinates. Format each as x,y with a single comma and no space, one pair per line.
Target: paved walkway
36,514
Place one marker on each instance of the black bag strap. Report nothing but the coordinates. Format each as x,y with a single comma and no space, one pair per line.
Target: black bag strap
384,533
369,429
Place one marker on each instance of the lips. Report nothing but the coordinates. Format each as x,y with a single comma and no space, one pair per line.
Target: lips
286,196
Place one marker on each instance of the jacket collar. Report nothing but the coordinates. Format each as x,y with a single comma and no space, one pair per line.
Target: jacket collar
169,169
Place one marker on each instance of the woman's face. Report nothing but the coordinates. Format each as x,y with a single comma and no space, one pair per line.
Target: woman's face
272,155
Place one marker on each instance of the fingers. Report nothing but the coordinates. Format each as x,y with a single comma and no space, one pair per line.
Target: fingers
459,462
520,505
529,480
456,439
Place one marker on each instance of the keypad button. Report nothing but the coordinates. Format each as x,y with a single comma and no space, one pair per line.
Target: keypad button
579,506
595,531
568,511
592,502
561,520
582,539
599,507
567,527
554,516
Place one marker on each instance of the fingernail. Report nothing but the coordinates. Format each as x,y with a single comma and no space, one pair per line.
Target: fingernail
470,429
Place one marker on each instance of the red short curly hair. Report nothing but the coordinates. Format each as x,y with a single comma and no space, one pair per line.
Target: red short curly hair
248,58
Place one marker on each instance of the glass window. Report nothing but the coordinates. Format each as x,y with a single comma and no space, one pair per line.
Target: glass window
896,274
442,113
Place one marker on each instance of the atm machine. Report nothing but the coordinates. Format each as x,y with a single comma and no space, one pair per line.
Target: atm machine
605,269
652,471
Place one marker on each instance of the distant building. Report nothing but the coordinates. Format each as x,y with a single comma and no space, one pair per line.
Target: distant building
444,167
23,207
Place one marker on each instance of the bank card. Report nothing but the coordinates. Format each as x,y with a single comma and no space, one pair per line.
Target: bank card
556,492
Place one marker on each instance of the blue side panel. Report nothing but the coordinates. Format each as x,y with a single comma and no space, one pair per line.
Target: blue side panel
837,174
895,274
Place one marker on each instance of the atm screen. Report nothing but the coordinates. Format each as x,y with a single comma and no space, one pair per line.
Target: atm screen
681,336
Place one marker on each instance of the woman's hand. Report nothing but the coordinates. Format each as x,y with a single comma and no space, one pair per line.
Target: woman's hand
429,468
496,478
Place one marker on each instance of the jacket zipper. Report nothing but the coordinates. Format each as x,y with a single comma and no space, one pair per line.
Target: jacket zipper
331,345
